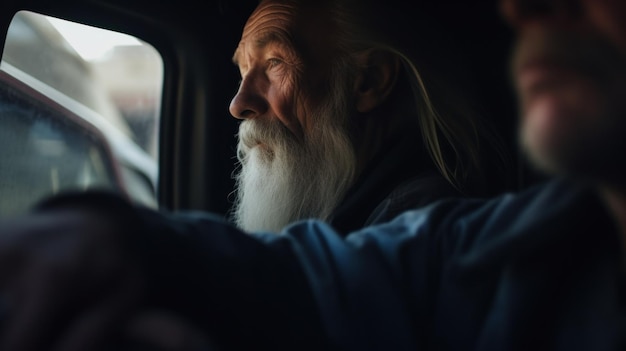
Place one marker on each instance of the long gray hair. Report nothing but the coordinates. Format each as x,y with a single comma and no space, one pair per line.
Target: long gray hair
455,137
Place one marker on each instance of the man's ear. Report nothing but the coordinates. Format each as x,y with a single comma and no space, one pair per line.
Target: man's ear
376,77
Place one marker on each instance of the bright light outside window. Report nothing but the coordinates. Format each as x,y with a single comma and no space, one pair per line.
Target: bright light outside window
91,43
109,80
129,69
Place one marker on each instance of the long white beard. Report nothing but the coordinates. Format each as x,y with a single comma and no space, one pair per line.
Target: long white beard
283,180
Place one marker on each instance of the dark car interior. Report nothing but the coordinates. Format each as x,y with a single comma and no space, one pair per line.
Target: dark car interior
196,41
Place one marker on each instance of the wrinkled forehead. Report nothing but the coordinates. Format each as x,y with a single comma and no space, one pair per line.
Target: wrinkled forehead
299,24
271,21
271,16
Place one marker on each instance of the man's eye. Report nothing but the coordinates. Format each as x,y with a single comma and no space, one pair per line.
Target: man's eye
273,62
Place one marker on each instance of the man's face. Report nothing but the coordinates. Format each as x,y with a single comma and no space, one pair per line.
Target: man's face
295,153
570,74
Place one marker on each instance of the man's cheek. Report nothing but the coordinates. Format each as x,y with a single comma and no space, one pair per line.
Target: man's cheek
296,113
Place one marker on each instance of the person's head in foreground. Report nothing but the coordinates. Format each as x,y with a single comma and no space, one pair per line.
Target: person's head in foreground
327,88
570,75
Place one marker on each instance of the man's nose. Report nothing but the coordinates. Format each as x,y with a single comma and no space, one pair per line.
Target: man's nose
520,12
248,102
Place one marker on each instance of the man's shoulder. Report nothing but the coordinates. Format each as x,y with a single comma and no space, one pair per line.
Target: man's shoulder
470,222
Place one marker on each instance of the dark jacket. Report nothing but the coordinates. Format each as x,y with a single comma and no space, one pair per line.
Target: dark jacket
541,270
402,177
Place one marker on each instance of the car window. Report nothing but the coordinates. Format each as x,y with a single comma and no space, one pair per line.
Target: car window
44,152
79,109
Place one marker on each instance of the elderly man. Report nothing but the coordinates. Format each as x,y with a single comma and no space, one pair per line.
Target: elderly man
346,129
543,269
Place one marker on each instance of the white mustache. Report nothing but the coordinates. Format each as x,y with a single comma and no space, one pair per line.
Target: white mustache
254,132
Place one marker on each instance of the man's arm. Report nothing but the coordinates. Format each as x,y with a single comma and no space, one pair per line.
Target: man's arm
82,264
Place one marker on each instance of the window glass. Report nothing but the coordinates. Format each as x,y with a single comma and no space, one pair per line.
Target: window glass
79,108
